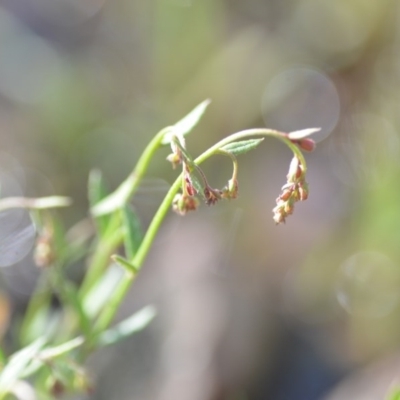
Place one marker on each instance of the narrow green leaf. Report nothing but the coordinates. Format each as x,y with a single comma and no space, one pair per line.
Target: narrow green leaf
115,200
127,327
36,318
17,364
123,262
97,191
77,241
56,351
186,124
100,293
133,231
96,187
70,296
198,185
241,147
51,353
102,251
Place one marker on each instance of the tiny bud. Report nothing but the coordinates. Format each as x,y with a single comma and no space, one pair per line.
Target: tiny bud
279,218
285,195
295,170
303,191
189,188
183,203
55,386
175,159
211,195
289,207
307,144
231,190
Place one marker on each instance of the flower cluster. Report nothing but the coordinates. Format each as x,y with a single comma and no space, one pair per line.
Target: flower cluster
194,181
296,189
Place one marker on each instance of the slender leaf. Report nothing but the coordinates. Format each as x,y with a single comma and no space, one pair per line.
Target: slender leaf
97,191
98,295
17,364
116,199
241,147
186,124
56,351
127,327
102,252
198,185
71,297
133,231
36,319
124,263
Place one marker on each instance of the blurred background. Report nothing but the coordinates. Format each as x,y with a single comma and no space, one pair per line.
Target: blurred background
246,310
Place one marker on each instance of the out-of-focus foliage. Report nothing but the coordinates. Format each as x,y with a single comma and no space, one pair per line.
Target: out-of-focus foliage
84,85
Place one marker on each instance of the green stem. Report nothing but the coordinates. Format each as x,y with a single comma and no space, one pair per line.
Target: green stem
165,205
138,260
144,160
234,162
127,188
101,256
108,313
112,306
249,133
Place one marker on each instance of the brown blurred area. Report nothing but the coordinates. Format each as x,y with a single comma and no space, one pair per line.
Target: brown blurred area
246,309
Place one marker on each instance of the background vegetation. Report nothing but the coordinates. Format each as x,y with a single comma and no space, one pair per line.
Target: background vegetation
246,310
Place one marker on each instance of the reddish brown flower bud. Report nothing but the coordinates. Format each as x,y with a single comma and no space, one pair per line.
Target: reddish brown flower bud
189,188
183,203
231,190
306,144
211,195
289,207
285,195
295,170
303,191
55,386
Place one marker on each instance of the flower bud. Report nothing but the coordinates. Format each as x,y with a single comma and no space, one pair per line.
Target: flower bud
306,144
295,170
55,386
231,190
303,191
175,159
183,203
285,195
279,216
211,195
189,188
289,207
